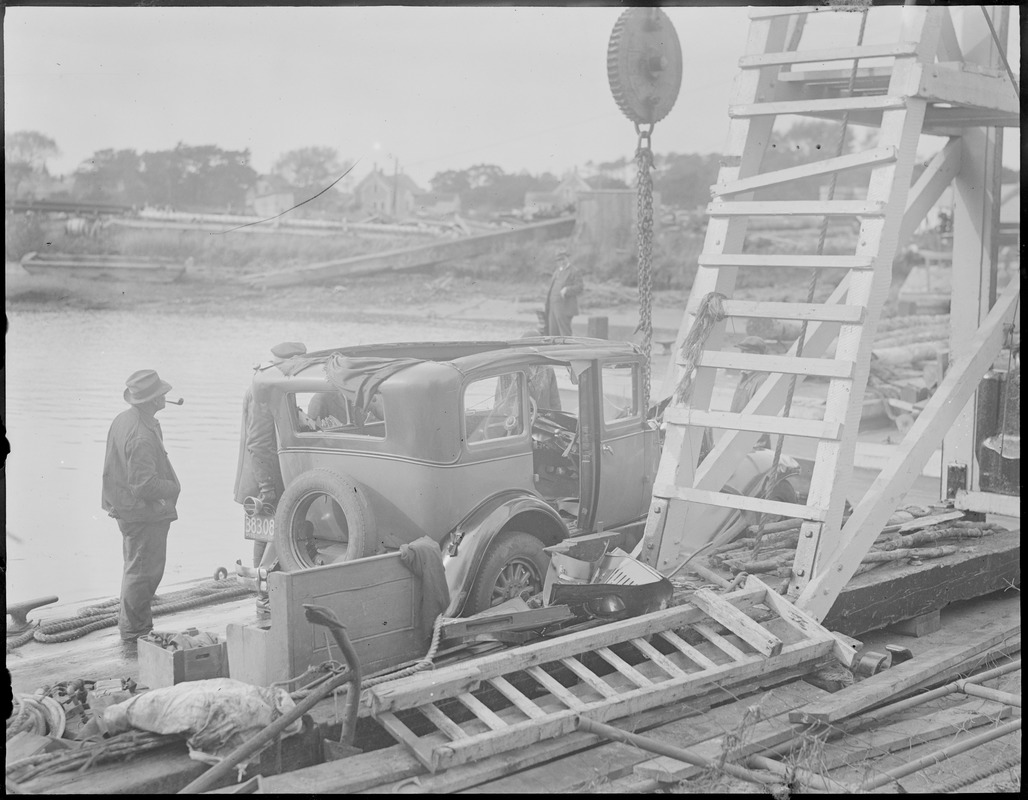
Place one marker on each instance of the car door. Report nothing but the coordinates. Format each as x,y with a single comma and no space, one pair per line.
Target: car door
627,446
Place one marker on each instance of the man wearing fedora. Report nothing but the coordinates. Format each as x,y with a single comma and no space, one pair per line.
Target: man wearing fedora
140,490
562,297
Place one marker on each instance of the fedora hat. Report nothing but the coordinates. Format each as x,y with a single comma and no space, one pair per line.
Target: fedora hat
753,344
144,385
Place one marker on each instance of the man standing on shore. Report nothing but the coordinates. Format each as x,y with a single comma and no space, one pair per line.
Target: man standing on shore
562,298
140,490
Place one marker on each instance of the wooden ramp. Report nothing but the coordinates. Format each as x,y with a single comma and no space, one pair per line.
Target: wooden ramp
411,258
603,673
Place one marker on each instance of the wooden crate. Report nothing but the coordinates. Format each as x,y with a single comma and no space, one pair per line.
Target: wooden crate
159,667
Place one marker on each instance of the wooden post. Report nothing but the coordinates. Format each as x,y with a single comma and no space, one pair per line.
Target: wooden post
975,230
597,328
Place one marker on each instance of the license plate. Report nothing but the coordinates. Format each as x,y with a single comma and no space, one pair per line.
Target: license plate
260,528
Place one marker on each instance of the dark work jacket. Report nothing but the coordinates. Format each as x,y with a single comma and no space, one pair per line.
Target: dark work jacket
564,307
139,484
258,469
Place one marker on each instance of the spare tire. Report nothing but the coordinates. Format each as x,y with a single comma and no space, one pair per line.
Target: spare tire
322,518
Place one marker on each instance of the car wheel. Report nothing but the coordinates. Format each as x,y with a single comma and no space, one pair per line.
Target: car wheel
322,518
514,565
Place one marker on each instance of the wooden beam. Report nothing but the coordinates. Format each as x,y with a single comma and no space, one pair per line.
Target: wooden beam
741,502
778,261
864,51
738,623
410,258
825,167
821,312
924,436
928,188
726,420
790,365
831,105
796,208
989,503
892,683
966,87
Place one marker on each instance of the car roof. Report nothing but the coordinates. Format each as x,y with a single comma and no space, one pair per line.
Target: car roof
469,355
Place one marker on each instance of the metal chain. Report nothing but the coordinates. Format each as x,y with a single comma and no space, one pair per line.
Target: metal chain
644,220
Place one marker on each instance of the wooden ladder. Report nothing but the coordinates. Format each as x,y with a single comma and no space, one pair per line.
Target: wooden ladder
472,710
776,81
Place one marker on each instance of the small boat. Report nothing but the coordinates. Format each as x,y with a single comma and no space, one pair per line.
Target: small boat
104,267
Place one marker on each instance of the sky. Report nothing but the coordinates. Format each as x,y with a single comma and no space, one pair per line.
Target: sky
427,88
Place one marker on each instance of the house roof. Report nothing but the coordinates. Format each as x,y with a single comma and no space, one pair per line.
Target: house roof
402,180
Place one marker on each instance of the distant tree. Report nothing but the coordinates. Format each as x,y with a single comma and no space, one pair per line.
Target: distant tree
606,182
451,181
685,180
308,170
202,176
25,157
111,176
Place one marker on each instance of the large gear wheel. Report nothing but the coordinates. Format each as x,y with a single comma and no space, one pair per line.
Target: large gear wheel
644,65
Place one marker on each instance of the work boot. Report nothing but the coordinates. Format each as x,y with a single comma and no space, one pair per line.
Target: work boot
263,607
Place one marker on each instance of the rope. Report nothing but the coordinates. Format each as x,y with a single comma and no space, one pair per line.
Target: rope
840,145
97,618
1002,53
709,314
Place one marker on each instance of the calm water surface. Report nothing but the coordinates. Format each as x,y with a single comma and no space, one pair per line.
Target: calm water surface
65,375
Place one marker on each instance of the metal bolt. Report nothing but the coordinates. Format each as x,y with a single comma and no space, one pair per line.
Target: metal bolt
809,534
656,509
838,567
800,573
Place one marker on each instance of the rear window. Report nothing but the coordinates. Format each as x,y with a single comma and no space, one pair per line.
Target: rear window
331,412
494,407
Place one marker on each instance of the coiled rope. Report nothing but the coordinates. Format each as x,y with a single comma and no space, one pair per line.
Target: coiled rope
105,615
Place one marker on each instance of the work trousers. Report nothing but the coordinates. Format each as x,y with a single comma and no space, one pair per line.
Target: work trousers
559,323
145,548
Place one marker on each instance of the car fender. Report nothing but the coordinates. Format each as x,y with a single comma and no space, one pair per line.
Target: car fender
465,547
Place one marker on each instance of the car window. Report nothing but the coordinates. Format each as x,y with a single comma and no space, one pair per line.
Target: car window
620,388
494,407
331,412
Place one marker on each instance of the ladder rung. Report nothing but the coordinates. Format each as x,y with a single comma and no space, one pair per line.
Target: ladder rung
783,426
878,155
687,650
790,365
814,312
483,712
796,208
658,658
893,49
866,103
530,709
443,722
720,642
741,502
804,262
602,688
556,688
400,732
624,667
756,636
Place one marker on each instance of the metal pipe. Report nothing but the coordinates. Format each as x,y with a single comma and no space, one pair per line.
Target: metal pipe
320,615
864,720
939,755
227,765
677,753
805,776
1007,698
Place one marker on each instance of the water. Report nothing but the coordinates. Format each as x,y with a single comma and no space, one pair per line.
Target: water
65,376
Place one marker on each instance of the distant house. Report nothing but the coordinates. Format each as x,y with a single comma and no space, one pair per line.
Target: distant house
394,195
437,204
269,196
564,196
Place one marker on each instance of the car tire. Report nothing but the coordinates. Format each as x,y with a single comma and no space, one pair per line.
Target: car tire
296,500
514,563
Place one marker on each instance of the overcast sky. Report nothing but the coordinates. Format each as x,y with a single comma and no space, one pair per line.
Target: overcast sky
437,88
